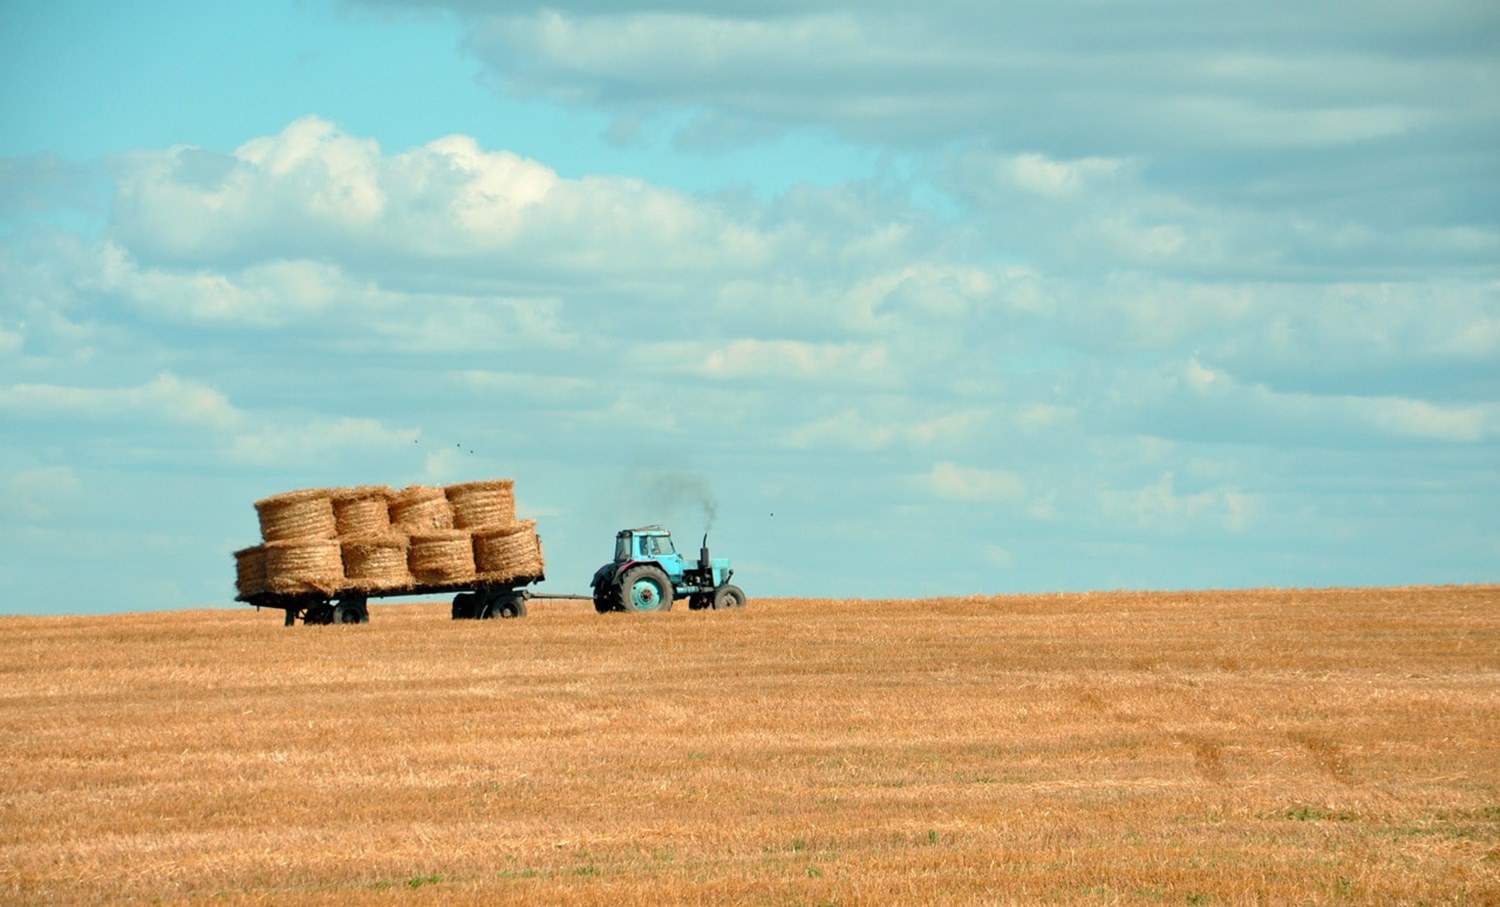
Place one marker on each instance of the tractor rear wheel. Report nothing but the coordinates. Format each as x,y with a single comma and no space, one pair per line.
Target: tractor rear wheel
645,588
728,597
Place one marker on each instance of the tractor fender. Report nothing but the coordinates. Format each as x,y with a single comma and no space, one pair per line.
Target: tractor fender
606,575
611,572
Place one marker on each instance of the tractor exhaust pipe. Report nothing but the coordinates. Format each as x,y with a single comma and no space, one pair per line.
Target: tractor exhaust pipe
703,554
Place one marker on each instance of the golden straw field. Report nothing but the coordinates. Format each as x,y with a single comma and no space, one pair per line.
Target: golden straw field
1259,747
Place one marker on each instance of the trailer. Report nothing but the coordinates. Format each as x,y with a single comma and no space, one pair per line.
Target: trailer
471,601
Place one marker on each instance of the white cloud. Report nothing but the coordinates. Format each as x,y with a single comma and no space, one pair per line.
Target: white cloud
314,192
339,173
1044,176
1426,421
793,359
1295,76
1159,506
270,293
1193,401
310,441
974,484
847,429
166,398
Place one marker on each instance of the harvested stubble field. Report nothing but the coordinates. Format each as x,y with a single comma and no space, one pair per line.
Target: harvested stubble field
1270,747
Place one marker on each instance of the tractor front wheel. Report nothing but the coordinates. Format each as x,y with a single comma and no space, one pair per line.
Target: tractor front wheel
728,597
645,588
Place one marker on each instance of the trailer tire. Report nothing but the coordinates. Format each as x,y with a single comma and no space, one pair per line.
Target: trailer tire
351,612
321,613
504,606
644,587
728,596
463,605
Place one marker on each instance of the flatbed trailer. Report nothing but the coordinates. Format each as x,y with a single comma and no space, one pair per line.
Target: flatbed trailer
471,600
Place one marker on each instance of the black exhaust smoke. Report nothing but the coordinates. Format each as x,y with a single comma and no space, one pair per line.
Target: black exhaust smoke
679,493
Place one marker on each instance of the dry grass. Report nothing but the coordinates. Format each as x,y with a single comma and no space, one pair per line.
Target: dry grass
1269,747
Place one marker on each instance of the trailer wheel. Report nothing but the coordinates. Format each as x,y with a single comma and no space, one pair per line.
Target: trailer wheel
505,606
645,588
352,611
464,606
728,597
321,613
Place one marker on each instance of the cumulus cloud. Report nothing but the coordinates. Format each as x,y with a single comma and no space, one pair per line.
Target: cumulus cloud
314,187
167,398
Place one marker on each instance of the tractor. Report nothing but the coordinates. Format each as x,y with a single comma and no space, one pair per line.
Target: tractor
648,574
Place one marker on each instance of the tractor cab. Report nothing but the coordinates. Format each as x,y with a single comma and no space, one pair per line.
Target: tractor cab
644,544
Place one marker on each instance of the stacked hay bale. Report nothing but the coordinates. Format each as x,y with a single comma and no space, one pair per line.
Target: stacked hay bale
374,550
300,550
482,505
374,540
506,553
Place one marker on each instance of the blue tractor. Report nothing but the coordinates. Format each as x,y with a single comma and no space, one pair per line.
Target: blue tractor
648,574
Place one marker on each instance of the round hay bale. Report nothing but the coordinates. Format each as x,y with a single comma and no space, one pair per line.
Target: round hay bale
441,557
363,511
376,562
250,571
420,508
301,566
483,505
303,514
508,553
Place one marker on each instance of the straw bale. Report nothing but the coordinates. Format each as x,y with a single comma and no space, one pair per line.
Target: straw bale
302,514
441,557
508,553
483,505
304,565
362,511
376,562
250,571
420,508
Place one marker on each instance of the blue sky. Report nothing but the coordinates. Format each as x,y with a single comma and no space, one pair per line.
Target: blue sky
948,299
